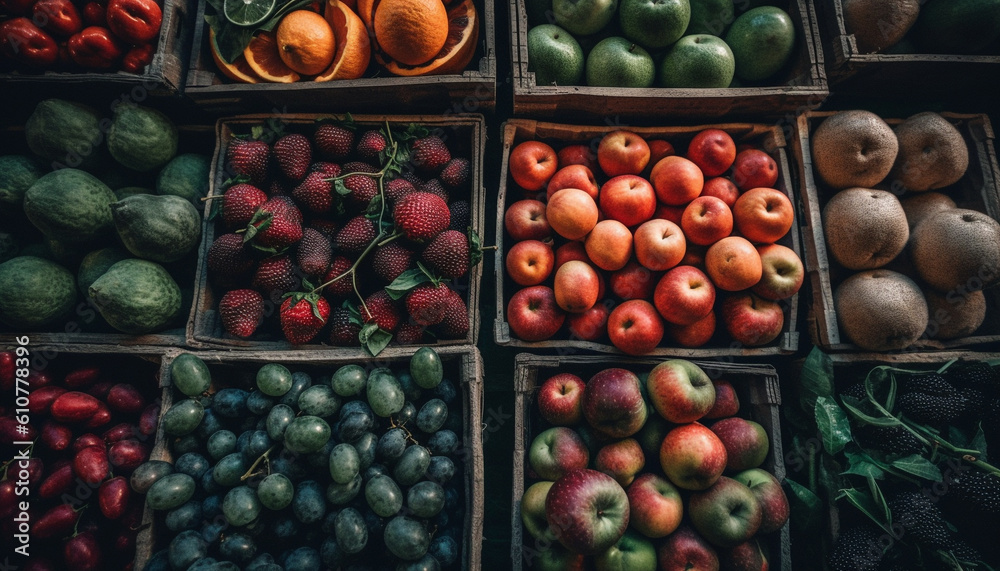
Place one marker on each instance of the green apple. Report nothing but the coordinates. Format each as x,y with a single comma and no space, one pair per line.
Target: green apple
633,552
533,511
710,17
700,60
727,514
654,24
554,56
583,17
762,41
617,62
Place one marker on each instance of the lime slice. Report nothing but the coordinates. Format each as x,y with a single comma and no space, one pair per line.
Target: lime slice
247,12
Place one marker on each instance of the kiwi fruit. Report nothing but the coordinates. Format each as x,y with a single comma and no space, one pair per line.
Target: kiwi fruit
957,250
880,310
920,206
932,153
879,24
865,228
952,315
853,148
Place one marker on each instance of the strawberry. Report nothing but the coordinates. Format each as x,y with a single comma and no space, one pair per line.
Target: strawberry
313,253
355,235
343,286
413,179
409,334
241,312
363,188
456,172
421,216
327,228
293,154
249,158
239,203
390,260
314,193
430,154
302,316
455,324
358,166
275,276
343,331
277,188
370,145
333,141
381,309
434,186
461,215
276,224
427,303
397,188
229,261
331,170
448,253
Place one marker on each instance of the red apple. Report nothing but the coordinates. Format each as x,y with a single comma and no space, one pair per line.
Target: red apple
609,245
763,215
751,320
571,251
592,324
695,335
706,220
726,514
655,505
629,199
621,460
633,282
525,220
685,550
753,168
529,262
783,272
532,164
560,399
622,152
613,403
746,442
588,511
772,499
721,188
733,264
713,150
578,155
684,295
533,314
694,255
633,552
676,180
668,212
659,244
747,556
635,327
576,286
572,213
557,451
692,457
573,176
680,391
658,149
727,402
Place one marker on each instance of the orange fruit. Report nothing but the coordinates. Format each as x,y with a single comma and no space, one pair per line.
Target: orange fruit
263,58
239,70
457,52
364,9
411,31
353,50
305,42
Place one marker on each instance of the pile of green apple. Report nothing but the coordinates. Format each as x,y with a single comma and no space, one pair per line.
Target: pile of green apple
648,472
667,43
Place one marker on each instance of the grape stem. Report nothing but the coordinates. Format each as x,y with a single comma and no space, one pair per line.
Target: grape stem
265,457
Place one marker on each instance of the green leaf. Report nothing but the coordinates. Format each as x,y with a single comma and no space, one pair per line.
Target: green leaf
405,282
855,406
833,424
434,278
475,248
214,208
816,378
256,132
862,465
374,209
918,466
863,501
377,341
979,443
806,508
340,188
959,438
879,499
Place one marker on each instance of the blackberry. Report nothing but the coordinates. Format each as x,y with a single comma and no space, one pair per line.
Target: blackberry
857,549
975,401
929,384
931,409
962,550
976,493
891,439
978,376
921,517
461,215
857,390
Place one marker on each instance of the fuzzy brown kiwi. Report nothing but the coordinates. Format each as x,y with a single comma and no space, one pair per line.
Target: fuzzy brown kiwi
879,24
919,206
957,250
865,228
880,310
932,153
951,316
853,148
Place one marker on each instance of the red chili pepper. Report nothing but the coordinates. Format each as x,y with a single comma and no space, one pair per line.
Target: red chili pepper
57,17
137,58
135,21
95,14
26,43
95,48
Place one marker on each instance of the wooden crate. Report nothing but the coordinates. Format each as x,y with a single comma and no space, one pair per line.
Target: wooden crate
767,137
192,138
163,76
205,328
472,91
979,190
756,386
854,71
803,86
463,362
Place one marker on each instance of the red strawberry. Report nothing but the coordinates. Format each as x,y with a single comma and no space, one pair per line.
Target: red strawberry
275,276
363,188
302,317
456,172
293,154
241,312
333,141
409,334
461,215
421,216
381,309
313,252
434,186
358,166
343,332
426,303
448,253
331,170
327,228
430,154
370,145
277,188
355,235
455,324
315,193
413,179
249,158
229,261
277,224
397,188
341,287
391,260
239,203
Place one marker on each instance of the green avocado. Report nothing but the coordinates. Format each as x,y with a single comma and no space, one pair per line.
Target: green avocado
158,228
34,292
186,176
70,205
136,296
17,174
65,133
141,138
95,264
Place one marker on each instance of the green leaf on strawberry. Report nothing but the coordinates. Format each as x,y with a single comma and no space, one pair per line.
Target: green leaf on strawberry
405,282
374,339
475,248
340,188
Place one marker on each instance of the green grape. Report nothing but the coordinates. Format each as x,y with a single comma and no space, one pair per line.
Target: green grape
278,420
190,374
306,434
319,400
275,491
406,538
350,530
426,368
344,463
220,444
183,417
170,491
349,380
385,395
425,499
432,416
228,471
340,494
412,465
274,379
148,473
383,496
240,506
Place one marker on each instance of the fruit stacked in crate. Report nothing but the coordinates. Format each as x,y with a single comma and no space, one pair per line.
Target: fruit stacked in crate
933,27
92,424
310,470
646,472
344,234
684,240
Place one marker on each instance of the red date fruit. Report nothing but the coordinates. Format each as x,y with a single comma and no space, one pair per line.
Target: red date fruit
82,553
40,400
58,482
127,454
39,564
7,378
8,499
121,431
74,406
91,465
9,430
100,390
56,522
113,496
86,441
56,436
149,419
39,379
83,376
126,399
100,418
